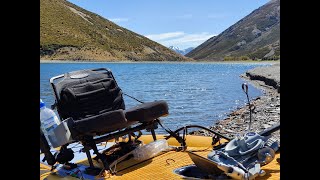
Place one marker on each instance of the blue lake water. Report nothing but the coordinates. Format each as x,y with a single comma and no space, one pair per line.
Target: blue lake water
197,93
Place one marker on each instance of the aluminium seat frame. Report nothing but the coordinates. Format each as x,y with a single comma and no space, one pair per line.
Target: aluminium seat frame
89,142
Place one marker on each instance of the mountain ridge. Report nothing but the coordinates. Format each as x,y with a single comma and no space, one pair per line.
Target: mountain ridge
181,51
69,32
256,36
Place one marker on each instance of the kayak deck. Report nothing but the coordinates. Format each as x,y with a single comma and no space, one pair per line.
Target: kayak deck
163,165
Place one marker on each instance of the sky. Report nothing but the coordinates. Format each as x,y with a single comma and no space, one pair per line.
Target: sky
180,23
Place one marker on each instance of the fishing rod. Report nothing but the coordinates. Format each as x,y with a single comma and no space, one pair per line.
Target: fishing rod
245,90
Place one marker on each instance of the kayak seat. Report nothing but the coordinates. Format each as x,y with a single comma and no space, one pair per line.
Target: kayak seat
91,107
92,103
119,119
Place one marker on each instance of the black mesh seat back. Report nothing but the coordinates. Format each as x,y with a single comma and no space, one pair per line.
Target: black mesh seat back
86,93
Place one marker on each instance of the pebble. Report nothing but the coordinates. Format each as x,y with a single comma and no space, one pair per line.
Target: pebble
266,114
266,126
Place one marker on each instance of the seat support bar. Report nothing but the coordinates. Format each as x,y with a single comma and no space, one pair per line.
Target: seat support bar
124,132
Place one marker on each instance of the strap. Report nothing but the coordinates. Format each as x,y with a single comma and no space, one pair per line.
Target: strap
178,138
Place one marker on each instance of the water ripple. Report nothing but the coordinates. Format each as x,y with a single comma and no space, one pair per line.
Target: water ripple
196,93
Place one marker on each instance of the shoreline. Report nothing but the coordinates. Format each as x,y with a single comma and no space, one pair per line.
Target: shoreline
267,106
266,110
173,62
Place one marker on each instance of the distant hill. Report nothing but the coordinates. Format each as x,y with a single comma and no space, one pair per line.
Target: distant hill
68,32
181,51
256,36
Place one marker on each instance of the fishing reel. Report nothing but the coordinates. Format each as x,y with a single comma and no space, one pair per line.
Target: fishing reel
243,156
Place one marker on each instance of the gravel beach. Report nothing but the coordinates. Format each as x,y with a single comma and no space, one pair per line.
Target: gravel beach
266,109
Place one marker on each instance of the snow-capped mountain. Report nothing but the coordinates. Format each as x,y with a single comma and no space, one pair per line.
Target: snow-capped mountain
174,48
186,51
181,51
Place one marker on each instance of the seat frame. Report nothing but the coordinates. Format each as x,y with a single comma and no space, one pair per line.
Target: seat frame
89,142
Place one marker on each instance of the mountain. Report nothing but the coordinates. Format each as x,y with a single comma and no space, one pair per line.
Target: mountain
183,52
68,32
174,48
256,36
186,51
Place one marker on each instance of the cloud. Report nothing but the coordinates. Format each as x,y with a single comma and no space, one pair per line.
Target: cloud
191,38
181,39
117,20
163,36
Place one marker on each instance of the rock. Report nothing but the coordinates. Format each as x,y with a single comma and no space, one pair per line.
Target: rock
228,130
265,115
256,32
271,53
243,42
271,123
265,126
234,126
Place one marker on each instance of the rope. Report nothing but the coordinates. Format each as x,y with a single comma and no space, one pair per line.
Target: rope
178,138
133,98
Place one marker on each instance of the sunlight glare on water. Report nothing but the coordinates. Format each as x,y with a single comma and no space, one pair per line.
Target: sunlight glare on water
197,93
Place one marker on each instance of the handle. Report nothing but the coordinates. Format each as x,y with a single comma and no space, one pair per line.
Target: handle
56,77
53,86
245,88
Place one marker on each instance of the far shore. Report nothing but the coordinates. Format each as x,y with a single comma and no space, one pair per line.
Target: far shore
174,62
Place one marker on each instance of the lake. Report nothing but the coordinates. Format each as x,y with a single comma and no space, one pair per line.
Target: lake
197,93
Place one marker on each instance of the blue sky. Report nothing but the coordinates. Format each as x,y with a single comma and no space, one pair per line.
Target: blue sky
181,23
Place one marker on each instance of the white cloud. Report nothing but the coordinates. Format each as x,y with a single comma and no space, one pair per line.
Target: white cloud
117,20
181,39
163,36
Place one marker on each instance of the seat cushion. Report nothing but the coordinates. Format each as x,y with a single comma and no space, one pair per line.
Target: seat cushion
99,124
147,111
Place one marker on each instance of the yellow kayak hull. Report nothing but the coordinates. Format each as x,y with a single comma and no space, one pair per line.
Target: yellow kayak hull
163,165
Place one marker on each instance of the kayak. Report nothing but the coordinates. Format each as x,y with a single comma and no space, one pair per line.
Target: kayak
96,139
162,166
